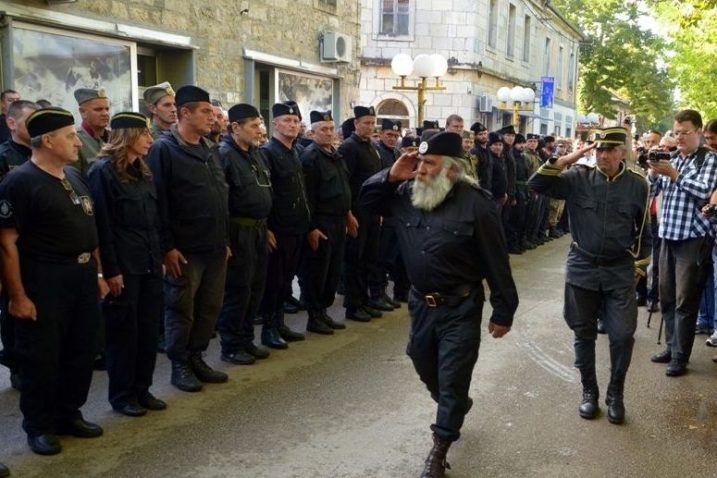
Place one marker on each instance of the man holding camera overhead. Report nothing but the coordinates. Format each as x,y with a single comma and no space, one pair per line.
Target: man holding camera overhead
609,220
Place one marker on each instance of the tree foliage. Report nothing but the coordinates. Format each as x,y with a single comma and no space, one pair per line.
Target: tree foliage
619,61
692,28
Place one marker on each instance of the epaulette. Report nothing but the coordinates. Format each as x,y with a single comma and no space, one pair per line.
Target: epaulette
639,172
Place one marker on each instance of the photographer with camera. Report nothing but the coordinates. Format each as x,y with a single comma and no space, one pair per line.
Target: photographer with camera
686,182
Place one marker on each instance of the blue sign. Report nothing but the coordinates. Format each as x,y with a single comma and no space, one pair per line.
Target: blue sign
547,88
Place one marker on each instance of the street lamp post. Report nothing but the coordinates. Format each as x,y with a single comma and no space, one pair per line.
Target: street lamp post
522,99
424,66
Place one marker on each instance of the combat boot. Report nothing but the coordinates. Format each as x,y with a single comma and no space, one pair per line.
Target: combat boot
589,408
204,372
317,325
613,400
436,464
183,377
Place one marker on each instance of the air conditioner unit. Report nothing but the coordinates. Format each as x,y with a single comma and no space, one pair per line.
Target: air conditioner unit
485,104
335,47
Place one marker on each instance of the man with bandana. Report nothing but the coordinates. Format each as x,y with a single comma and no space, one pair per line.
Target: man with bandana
451,238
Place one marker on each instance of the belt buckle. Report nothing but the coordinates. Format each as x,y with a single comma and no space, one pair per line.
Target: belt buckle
84,258
431,300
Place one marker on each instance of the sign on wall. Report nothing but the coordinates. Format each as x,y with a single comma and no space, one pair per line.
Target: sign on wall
311,93
547,89
51,64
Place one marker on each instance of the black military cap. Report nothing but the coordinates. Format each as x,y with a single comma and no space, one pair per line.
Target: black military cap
242,111
282,109
129,119
430,124
387,124
155,93
608,138
478,127
494,138
445,143
47,120
295,105
361,111
410,142
191,94
549,139
348,127
426,134
318,116
506,130
519,139
533,136
83,95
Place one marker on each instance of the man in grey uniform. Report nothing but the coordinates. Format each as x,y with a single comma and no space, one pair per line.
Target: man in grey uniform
610,224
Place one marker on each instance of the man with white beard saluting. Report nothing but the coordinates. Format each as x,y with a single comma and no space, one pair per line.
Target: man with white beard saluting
451,238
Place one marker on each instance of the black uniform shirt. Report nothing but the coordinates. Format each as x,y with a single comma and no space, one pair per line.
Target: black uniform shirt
51,221
388,155
127,220
12,155
192,194
362,161
499,176
484,169
457,244
289,212
609,218
249,180
327,183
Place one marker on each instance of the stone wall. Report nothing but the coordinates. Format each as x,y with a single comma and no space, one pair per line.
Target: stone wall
285,28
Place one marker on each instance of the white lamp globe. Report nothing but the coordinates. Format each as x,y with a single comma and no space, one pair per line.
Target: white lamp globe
516,93
528,95
504,94
402,65
441,65
423,66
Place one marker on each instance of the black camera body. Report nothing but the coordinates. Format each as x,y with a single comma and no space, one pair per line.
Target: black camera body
652,155
711,210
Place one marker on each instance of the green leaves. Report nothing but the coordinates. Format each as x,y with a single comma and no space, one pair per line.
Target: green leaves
620,61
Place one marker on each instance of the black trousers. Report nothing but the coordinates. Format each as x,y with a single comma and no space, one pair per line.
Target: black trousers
131,332
618,310
192,303
360,257
282,265
55,352
246,278
320,270
517,222
443,345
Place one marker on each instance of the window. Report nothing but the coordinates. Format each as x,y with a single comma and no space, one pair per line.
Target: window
395,110
493,23
559,73
526,39
546,58
571,71
510,42
394,17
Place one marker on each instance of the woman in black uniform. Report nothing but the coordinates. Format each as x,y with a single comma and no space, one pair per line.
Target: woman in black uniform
128,226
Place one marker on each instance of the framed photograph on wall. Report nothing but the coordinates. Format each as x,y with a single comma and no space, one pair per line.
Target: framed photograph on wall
311,92
50,63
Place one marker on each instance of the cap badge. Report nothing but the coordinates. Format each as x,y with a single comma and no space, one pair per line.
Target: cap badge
423,148
395,127
291,111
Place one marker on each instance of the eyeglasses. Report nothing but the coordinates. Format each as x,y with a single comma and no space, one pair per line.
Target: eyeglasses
677,134
68,187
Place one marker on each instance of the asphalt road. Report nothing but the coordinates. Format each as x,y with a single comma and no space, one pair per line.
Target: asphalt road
351,405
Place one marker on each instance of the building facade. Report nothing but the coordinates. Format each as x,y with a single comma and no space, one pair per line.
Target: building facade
239,50
488,44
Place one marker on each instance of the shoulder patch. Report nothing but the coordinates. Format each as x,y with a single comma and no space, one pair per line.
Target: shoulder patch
5,209
637,172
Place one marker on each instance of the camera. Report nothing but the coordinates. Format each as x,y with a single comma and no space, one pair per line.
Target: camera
711,210
652,155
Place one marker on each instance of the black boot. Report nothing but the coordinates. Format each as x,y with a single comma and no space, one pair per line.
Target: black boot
436,464
589,406
613,400
392,302
4,471
286,333
271,338
328,320
317,325
183,377
204,372
380,304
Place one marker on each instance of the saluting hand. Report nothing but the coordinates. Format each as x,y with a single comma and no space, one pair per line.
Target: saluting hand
174,260
22,308
116,284
497,331
404,168
314,237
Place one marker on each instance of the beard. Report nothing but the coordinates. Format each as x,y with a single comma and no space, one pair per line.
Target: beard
429,193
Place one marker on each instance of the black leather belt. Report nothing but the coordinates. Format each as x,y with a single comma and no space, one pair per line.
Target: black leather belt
437,299
83,258
600,260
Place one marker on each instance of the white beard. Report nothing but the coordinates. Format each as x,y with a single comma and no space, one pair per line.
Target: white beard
429,194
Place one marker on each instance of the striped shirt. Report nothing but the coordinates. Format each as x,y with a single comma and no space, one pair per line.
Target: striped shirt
683,199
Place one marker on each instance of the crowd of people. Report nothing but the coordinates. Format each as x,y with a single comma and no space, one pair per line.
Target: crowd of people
191,222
